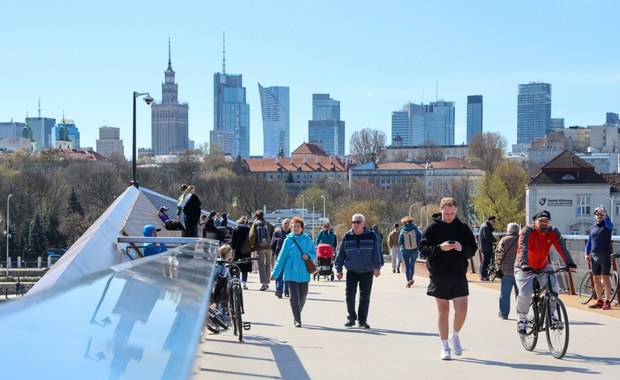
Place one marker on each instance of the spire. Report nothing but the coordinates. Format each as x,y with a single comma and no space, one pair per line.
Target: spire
224,52
169,56
39,108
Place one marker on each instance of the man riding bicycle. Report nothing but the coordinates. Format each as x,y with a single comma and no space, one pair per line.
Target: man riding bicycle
535,241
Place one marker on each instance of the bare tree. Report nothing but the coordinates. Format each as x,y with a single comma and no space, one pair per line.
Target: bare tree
431,152
487,150
365,145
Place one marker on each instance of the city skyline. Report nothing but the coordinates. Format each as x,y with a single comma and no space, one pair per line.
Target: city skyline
86,69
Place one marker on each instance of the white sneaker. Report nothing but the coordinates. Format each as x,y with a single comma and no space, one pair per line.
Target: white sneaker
445,354
455,342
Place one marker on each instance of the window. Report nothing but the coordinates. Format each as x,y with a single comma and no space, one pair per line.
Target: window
583,205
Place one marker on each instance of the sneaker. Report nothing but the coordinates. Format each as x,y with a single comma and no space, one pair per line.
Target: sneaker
521,328
297,323
455,342
363,325
393,270
264,287
409,283
278,294
445,354
598,305
350,323
245,286
499,314
606,305
398,271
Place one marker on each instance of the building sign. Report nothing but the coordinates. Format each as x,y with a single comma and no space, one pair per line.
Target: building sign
555,202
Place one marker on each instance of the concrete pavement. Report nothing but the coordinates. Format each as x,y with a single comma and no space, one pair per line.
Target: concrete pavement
403,341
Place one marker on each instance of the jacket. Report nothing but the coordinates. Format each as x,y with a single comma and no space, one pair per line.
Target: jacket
401,238
327,237
486,238
253,235
534,246
599,238
359,253
290,260
449,263
506,254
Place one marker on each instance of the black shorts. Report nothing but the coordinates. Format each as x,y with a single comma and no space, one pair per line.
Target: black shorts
601,264
448,287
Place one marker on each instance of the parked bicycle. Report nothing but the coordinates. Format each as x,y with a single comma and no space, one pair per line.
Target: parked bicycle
232,300
547,313
586,288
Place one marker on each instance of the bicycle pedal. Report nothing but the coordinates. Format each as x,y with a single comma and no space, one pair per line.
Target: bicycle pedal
247,325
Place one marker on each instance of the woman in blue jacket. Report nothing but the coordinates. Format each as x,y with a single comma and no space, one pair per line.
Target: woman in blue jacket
409,240
296,247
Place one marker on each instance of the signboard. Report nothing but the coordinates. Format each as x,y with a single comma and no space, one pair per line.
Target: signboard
550,202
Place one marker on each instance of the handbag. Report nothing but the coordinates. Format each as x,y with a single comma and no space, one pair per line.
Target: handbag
309,263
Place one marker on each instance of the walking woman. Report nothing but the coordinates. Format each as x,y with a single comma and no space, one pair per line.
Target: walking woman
241,248
296,247
409,239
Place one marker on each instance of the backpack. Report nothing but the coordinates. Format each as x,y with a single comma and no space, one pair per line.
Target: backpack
262,236
410,239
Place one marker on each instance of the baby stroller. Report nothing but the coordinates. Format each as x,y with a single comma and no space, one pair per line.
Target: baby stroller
324,261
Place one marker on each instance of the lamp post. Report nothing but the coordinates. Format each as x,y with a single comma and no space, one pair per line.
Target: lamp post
324,217
148,99
7,232
30,235
303,205
410,207
312,233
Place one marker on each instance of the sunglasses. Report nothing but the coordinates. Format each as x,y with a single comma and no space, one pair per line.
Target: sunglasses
356,221
598,214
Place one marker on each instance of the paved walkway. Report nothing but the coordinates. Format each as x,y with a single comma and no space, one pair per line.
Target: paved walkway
403,341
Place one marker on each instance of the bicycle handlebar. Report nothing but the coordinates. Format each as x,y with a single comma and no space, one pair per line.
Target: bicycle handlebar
237,262
561,269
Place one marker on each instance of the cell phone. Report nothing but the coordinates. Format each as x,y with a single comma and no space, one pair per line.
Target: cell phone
450,241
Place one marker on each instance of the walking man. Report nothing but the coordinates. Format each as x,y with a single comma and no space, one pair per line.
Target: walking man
260,240
486,240
360,253
395,248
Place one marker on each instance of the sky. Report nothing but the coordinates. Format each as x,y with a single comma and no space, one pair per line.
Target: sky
84,59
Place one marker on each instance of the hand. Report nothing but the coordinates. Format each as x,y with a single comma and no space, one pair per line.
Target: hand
377,272
526,268
271,279
339,275
572,266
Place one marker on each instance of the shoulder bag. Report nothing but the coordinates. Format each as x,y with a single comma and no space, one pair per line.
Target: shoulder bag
309,263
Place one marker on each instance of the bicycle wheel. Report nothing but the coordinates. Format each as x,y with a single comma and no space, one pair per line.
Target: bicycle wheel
237,320
586,291
557,327
614,284
531,327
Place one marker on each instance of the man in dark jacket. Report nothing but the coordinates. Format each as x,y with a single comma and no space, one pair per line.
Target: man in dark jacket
486,240
447,245
360,253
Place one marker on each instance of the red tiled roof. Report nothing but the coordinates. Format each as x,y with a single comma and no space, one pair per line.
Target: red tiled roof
293,164
308,149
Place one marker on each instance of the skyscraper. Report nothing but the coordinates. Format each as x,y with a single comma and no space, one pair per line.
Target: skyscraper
109,142
73,133
474,116
276,125
533,111
41,131
439,123
169,118
408,123
326,129
231,114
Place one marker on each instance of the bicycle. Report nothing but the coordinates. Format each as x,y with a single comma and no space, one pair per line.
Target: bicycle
234,299
586,288
547,313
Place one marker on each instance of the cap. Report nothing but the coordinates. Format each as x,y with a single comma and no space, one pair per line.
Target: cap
163,208
148,230
542,214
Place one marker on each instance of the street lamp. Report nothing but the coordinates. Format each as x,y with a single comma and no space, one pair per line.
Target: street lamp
324,217
30,236
303,205
148,99
410,207
611,207
7,232
312,233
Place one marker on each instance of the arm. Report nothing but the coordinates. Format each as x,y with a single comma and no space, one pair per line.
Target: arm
524,238
252,236
589,245
340,257
608,224
499,253
488,234
560,246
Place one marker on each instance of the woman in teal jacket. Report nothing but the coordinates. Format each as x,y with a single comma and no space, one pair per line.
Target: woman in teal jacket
296,247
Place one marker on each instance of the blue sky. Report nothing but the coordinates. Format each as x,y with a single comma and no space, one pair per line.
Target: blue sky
86,58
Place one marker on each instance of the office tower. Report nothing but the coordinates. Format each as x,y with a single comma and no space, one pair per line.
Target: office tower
408,125
274,103
326,129
231,114
11,128
73,134
439,123
41,131
557,123
169,118
612,118
533,111
109,142
474,116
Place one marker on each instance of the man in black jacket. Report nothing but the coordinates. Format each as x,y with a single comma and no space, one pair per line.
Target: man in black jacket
486,240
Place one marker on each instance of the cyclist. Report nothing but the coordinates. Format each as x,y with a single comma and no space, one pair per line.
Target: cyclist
598,255
535,241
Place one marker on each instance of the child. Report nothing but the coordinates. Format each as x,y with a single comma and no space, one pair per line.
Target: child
220,289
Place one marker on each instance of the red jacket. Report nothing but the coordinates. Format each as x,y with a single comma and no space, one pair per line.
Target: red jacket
534,246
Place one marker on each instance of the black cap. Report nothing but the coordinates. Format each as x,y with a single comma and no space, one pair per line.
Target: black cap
163,208
542,214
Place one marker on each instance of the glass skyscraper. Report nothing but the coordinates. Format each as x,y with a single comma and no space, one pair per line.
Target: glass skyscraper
409,124
439,123
231,115
41,131
474,116
533,111
326,129
276,125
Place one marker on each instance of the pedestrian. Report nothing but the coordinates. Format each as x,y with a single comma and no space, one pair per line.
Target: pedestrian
486,241
360,253
279,234
447,244
296,248
409,241
505,256
150,248
260,241
326,236
241,248
598,256
192,211
535,241
394,247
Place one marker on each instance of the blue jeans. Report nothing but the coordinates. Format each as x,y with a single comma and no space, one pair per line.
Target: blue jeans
484,265
507,283
410,259
364,280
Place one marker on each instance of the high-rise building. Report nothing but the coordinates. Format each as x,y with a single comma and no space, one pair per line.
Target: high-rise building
169,118
41,131
439,123
474,116
326,129
533,111
557,123
109,142
408,125
276,123
11,128
73,133
612,118
231,114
